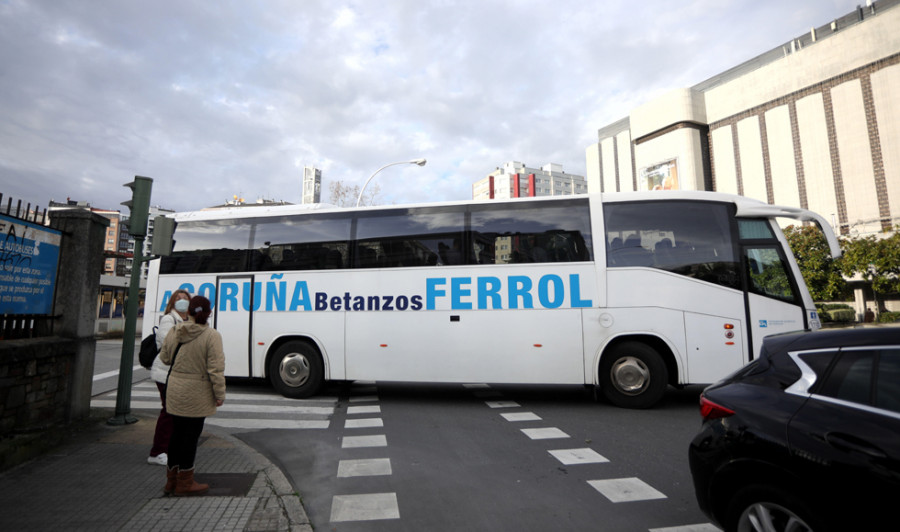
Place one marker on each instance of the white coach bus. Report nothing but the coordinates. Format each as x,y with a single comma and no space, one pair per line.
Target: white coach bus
630,292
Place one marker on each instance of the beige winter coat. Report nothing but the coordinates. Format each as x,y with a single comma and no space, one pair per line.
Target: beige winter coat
198,377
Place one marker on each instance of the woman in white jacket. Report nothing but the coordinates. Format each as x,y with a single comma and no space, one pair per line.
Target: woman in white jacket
176,312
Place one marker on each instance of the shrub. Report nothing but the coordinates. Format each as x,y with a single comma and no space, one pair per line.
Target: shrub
888,317
842,315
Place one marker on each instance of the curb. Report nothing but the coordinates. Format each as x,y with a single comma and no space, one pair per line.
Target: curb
284,499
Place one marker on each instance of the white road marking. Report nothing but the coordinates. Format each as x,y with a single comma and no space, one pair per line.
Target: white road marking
578,456
701,527
137,392
365,507
521,416
371,409
249,411
363,423
626,489
114,373
268,409
351,442
236,423
502,404
364,468
227,407
545,433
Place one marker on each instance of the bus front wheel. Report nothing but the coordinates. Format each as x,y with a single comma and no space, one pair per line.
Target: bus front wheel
296,370
633,375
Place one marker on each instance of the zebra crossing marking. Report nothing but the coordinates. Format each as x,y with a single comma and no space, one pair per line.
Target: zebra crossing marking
616,490
545,433
234,423
700,527
502,404
369,409
353,442
247,411
521,416
364,468
365,507
626,490
366,423
578,456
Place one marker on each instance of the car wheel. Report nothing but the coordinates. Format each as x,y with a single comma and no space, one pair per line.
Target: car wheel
769,509
633,375
296,370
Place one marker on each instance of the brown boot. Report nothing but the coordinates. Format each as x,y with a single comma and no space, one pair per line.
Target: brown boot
171,475
185,484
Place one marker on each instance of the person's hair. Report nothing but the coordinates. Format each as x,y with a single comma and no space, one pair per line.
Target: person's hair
174,297
200,309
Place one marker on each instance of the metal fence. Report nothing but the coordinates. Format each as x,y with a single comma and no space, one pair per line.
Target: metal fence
16,326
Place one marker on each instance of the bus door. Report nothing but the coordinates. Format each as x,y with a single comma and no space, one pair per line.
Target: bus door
774,304
233,317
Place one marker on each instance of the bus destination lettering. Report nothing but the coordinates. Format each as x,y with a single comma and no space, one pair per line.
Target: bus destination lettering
453,293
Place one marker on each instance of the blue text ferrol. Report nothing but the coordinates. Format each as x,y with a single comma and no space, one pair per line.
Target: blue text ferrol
462,293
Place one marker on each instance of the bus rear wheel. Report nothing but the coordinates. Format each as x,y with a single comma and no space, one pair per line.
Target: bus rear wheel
296,370
633,375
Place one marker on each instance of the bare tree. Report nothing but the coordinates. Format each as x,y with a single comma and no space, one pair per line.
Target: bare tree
344,195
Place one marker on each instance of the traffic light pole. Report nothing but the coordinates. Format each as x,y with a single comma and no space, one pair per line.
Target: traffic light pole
137,227
126,366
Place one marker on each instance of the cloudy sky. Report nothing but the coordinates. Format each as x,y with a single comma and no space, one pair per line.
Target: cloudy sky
220,98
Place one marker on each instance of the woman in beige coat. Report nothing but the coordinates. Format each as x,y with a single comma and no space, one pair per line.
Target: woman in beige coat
195,388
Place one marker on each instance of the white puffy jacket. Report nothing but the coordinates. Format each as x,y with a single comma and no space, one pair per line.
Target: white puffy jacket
159,371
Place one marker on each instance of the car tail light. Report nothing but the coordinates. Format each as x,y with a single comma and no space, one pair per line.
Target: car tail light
710,410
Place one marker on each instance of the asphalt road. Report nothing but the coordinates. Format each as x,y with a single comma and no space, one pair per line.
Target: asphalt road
448,457
518,458
107,361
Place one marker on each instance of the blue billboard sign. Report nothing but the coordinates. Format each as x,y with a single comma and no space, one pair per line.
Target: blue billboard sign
29,254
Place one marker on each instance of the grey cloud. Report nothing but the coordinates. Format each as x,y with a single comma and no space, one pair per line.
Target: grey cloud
215,99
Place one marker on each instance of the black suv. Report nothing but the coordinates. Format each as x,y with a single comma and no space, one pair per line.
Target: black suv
806,437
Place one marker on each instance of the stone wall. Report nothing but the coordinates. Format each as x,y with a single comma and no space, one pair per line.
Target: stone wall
35,383
47,381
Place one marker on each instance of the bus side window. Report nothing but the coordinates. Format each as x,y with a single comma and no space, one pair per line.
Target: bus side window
690,238
209,246
403,238
522,232
315,242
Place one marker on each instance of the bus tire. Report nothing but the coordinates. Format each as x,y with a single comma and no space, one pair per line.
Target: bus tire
633,375
296,370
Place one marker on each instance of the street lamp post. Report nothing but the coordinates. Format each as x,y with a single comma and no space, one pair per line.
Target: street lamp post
420,162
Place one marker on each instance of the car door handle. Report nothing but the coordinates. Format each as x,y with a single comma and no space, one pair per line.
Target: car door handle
847,443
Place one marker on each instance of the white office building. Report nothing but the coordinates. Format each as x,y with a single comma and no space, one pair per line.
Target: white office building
812,123
515,180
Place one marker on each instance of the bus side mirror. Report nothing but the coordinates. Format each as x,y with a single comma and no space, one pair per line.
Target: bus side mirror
163,231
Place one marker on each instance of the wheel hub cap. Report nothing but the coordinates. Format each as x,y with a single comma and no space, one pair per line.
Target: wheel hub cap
630,375
294,369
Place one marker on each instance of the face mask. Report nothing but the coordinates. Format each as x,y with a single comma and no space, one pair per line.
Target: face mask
182,305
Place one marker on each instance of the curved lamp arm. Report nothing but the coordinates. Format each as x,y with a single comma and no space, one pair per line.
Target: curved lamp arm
420,162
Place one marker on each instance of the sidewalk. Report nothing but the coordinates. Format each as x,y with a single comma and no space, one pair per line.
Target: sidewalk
100,480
